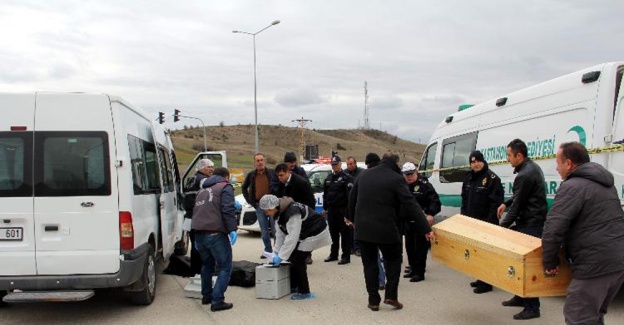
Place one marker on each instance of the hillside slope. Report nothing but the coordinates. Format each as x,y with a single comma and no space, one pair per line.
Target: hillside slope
238,141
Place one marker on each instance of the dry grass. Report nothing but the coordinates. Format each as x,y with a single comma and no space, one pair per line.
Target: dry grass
239,141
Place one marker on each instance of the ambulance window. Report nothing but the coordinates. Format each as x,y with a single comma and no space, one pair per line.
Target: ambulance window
428,158
455,153
72,164
15,164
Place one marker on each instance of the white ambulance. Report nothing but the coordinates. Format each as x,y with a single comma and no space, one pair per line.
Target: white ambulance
89,197
585,106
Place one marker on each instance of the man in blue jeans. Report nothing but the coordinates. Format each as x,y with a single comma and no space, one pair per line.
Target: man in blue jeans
257,183
213,221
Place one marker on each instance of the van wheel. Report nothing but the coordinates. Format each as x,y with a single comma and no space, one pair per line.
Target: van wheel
147,281
181,247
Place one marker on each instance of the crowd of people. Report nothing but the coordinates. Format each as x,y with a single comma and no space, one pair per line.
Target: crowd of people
373,212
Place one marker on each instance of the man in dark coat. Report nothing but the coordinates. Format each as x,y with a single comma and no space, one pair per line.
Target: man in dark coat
205,168
416,245
290,159
587,219
482,194
378,204
294,186
527,208
354,171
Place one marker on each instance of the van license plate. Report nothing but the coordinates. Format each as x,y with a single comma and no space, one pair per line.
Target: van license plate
16,234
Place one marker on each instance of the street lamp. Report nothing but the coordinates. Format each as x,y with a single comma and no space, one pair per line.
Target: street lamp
275,22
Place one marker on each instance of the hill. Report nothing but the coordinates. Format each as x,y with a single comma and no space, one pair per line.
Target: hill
238,141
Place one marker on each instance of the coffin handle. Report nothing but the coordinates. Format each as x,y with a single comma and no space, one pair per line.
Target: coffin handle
511,271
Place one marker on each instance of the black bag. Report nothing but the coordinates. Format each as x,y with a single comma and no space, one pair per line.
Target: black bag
243,274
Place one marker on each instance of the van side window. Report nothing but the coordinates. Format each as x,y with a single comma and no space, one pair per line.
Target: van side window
428,158
144,166
165,167
618,87
72,164
455,153
16,164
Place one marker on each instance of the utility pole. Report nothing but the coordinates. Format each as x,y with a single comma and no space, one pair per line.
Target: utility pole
302,122
366,122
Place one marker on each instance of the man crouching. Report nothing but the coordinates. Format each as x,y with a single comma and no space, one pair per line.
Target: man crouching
300,230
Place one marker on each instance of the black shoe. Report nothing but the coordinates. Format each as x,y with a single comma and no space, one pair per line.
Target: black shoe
331,259
343,261
417,278
513,302
408,269
382,287
309,260
474,284
482,289
262,257
206,301
527,314
357,252
409,274
221,306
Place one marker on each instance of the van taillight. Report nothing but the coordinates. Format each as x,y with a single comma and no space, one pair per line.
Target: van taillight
18,128
126,230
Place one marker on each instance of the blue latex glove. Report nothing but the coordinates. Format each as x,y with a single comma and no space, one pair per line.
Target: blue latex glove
233,237
237,206
277,260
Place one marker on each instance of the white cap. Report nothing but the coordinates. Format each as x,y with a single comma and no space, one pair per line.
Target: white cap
408,168
205,163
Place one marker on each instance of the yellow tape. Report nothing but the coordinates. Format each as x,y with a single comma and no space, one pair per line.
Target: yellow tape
613,148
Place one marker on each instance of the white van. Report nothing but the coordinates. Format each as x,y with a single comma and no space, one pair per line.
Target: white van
89,197
585,106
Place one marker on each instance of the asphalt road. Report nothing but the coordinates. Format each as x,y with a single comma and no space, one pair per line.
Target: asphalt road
445,297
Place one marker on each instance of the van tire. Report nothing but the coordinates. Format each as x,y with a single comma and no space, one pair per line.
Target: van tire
181,247
147,281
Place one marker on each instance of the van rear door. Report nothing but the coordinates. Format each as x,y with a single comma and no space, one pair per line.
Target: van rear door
17,239
616,159
76,205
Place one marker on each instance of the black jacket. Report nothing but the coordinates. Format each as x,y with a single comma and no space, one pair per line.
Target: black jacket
587,219
191,189
337,187
482,194
527,206
300,171
355,173
299,189
380,202
249,185
426,196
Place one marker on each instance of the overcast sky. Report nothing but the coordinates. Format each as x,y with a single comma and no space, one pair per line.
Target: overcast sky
421,58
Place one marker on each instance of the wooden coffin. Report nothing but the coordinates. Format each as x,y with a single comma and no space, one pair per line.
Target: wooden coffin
507,259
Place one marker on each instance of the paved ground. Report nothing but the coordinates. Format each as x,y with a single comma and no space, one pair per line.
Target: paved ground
443,298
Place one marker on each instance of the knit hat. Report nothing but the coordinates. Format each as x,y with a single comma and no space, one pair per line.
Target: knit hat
269,201
290,157
476,156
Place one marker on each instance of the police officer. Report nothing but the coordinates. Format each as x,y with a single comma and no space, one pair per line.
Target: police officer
482,194
335,200
416,244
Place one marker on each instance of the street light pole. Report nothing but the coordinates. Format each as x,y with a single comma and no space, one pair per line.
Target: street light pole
275,22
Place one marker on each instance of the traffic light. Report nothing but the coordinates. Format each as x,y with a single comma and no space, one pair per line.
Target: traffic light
161,117
176,115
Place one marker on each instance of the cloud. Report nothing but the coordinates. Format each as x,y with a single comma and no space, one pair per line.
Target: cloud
299,97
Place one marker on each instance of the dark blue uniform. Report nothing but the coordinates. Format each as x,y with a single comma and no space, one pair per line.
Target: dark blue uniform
335,201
